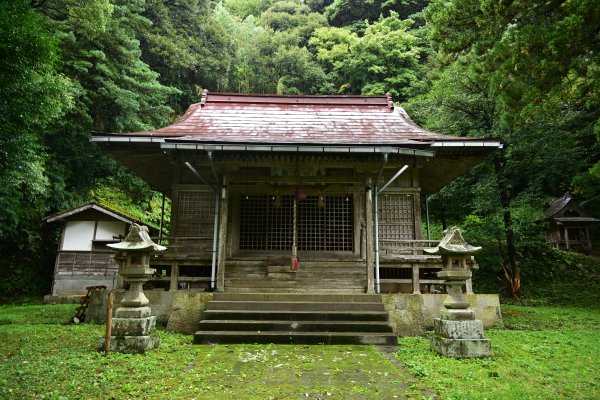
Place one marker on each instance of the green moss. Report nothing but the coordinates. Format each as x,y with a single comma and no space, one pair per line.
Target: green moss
546,352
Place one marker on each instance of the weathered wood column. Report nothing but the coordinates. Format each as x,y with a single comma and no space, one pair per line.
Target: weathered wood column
369,225
416,281
222,251
174,284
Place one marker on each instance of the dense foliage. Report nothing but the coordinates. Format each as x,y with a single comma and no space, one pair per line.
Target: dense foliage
525,72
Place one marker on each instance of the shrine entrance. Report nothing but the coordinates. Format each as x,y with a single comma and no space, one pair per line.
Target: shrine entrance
323,223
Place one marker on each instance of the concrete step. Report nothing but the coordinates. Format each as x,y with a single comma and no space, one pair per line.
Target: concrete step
308,284
275,315
297,290
305,297
344,318
295,326
291,337
293,306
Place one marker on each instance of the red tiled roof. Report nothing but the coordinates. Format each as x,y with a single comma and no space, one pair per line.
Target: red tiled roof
286,119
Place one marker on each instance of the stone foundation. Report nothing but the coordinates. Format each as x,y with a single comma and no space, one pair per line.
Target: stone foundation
410,314
414,314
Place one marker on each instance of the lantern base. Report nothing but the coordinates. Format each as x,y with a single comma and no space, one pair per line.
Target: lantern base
132,331
460,339
132,344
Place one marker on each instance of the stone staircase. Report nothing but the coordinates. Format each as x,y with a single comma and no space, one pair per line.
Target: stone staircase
251,276
288,318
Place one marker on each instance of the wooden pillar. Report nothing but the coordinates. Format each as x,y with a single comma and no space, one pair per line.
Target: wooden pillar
222,250
369,226
174,284
416,282
567,238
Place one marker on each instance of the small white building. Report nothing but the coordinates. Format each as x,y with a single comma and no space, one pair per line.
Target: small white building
83,259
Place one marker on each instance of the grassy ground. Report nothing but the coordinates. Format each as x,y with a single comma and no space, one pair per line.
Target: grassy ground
545,353
39,359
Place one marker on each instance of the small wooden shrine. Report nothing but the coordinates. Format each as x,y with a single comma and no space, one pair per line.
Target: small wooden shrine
569,225
330,186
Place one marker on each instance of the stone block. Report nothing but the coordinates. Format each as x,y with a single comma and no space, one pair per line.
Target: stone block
131,344
457,315
485,306
405,313
133,312
187,310
133,326
461,348
160,304
458,329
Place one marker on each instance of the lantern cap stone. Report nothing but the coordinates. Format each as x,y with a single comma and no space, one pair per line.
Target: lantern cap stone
453,243
137,239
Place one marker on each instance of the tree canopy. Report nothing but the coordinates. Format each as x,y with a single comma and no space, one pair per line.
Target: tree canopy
526,72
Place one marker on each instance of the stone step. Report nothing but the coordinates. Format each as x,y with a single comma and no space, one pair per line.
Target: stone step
278,315
291,337
305,297
292,306
295,326
297,290
284,317
300,272
306,283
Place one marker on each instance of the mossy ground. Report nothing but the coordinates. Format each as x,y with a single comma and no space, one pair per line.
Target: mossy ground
545,352
40,358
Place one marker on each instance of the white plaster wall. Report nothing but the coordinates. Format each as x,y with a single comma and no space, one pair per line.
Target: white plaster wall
107,229
78,235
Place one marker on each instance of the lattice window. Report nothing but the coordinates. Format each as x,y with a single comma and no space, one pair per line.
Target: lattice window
339,226
396,217
265,227
196,216
281,224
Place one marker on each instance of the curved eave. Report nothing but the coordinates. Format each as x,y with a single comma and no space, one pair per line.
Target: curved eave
151,157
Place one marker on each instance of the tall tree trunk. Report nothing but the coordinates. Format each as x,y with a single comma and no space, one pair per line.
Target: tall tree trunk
512,272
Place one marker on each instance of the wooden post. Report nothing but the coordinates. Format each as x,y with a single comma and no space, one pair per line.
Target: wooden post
174,283
416,282
222,251
369,237
567,238
109,309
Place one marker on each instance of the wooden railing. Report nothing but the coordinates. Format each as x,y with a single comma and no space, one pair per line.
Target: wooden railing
405,262
185,245
392,246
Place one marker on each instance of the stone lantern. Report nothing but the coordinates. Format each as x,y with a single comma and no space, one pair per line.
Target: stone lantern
457,333
132,325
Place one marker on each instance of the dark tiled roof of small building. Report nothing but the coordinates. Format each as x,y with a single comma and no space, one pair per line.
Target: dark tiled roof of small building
286,119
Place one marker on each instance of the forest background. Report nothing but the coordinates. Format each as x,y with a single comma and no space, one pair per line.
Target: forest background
527,72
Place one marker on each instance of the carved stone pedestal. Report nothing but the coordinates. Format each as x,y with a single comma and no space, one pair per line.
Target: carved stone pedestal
133,331
460,339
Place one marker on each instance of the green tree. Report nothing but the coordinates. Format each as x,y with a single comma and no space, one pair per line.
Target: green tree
386,58
188,45
524,72
33,96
